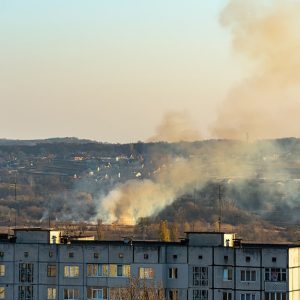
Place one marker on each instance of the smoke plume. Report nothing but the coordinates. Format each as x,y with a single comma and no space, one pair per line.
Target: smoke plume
264,105
177,176
267,103
176,127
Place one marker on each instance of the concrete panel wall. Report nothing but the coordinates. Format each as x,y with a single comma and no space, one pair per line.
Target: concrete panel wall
176,254
144,254
202,256
183,276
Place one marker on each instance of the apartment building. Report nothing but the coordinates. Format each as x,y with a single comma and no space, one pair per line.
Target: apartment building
37,264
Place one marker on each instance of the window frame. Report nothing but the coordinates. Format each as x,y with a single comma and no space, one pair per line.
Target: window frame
71,271
281,274
146,272
227,274
92,289
282,295
25,292
227,296
2,270
26,271
200,294
51,293
97,270
244,296
173,273
51,270
248,275
71,294
200,276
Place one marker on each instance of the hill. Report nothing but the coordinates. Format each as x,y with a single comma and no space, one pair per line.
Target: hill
73,179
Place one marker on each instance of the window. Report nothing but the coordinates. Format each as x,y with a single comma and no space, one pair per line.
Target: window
25,292
275,296
173,294
225,257
146,256
175,256
173,272
25,272
71,271
2,270
247,296
51,293
275,274
2,292
200,257
227,296
247,275
51,270
96,255
200,276
146,273
71,254
200,294
119,270
72,294
274,259
97,270
121,255
227,274
51,253
26,254
248,258
1,254
96,293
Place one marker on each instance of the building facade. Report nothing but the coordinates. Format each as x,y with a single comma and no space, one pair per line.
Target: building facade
35,265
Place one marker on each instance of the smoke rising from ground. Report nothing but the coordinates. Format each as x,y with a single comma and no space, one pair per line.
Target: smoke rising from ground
264,105
179,175
267,103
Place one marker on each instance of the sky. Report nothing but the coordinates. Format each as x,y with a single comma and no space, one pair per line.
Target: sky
110,70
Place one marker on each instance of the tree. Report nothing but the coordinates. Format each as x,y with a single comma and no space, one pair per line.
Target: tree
186,227
100,233
164,232
174,232
138,289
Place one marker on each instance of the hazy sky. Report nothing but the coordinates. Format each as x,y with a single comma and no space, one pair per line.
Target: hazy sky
109,70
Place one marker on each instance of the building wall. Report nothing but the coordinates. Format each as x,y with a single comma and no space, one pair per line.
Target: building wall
294,273
187,261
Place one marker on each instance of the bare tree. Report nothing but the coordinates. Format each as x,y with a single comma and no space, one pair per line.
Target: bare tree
138,289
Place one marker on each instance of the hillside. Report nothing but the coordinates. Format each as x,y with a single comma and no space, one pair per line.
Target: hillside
199,182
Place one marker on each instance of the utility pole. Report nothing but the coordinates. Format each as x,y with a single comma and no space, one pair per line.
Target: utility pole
15,192
220,209
194,201
247,137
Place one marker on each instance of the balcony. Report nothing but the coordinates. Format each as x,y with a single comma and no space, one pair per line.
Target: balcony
275,286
